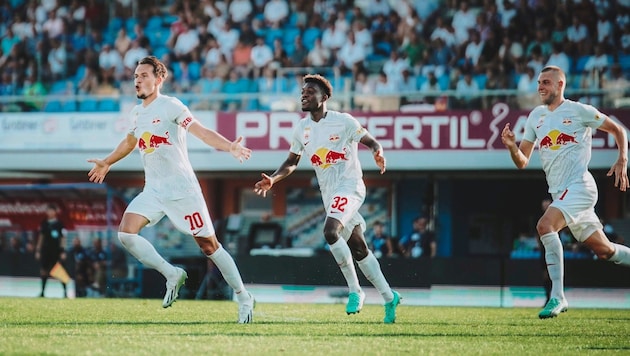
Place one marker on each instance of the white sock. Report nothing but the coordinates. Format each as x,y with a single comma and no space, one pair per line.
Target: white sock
225,264
372,271
343,256
142,249
621,255
555,263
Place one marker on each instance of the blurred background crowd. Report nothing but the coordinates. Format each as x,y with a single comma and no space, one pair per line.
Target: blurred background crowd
411,50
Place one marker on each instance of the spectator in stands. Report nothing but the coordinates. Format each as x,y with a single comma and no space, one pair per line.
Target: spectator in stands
394,67
558,58
51,244
541,41
280,57
319,56
34,91
227,37
9,40
578,37
377,7
559,31
430,85
187,41
57,60
527,89
536,60
89,82
599,61
343,228
123,42
261,56
333,38
242,57
439,58
605,30
133,54
380,242
472,53
443,31
299,55
467,92
117,261
420,242
616,86
276,12
110,62
363,90
54,26
362,35
463,22
240,11
171,187
350,54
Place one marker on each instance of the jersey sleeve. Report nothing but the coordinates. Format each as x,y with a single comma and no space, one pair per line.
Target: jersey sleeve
297,146
180,113
590,116
132,121
529,133
354,129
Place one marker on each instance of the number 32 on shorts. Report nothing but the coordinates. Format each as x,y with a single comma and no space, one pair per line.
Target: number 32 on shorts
338,204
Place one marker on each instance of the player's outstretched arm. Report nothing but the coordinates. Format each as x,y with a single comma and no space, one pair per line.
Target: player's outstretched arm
286,168
620,167
214,139
101,166
377,150
520,154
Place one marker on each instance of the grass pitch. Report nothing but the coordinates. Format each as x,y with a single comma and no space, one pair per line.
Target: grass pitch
142,327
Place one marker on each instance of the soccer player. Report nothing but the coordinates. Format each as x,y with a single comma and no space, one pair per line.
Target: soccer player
158,128
563,130
50,246
330,141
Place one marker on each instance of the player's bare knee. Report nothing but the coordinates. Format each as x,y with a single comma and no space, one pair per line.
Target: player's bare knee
208,245
331,235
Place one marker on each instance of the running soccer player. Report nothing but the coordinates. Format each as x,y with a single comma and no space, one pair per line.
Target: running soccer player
158,128
330,141
563,130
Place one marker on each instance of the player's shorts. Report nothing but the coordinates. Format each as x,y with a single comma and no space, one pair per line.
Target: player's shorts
189,215
577,204
344,207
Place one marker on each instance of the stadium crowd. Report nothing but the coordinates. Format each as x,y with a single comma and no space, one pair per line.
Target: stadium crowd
400,48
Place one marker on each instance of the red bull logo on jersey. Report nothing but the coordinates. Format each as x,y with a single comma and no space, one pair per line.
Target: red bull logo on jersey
324,158
555,139
148,142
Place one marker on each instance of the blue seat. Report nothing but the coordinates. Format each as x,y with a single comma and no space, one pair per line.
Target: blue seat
272,34
108,105
58,87
69,106
580,64
115,24
194,70
52,106
481,80
153,24
88,105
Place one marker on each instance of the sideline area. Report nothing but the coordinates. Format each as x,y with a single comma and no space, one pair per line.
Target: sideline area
437,295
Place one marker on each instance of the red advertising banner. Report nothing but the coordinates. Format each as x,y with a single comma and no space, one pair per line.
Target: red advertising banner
446,130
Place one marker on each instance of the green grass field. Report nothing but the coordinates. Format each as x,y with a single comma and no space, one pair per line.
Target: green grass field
141,327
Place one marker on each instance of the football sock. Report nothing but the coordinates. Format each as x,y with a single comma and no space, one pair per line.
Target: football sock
555,263
141,248
372,271
225,264
343,257
621,255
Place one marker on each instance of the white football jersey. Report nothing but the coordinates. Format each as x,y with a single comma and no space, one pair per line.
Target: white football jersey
161,130
331,146
564,139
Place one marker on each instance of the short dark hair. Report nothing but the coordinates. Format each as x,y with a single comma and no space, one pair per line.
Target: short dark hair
159,69
323,83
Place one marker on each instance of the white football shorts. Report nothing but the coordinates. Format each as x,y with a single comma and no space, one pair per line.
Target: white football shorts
344,206
189,215
577,204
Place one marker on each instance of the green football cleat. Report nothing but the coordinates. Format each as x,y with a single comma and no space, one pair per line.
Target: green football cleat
355,302
390,309
553,308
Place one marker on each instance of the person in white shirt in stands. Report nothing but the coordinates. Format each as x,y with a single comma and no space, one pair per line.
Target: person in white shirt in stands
159,126
276,12
329,139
